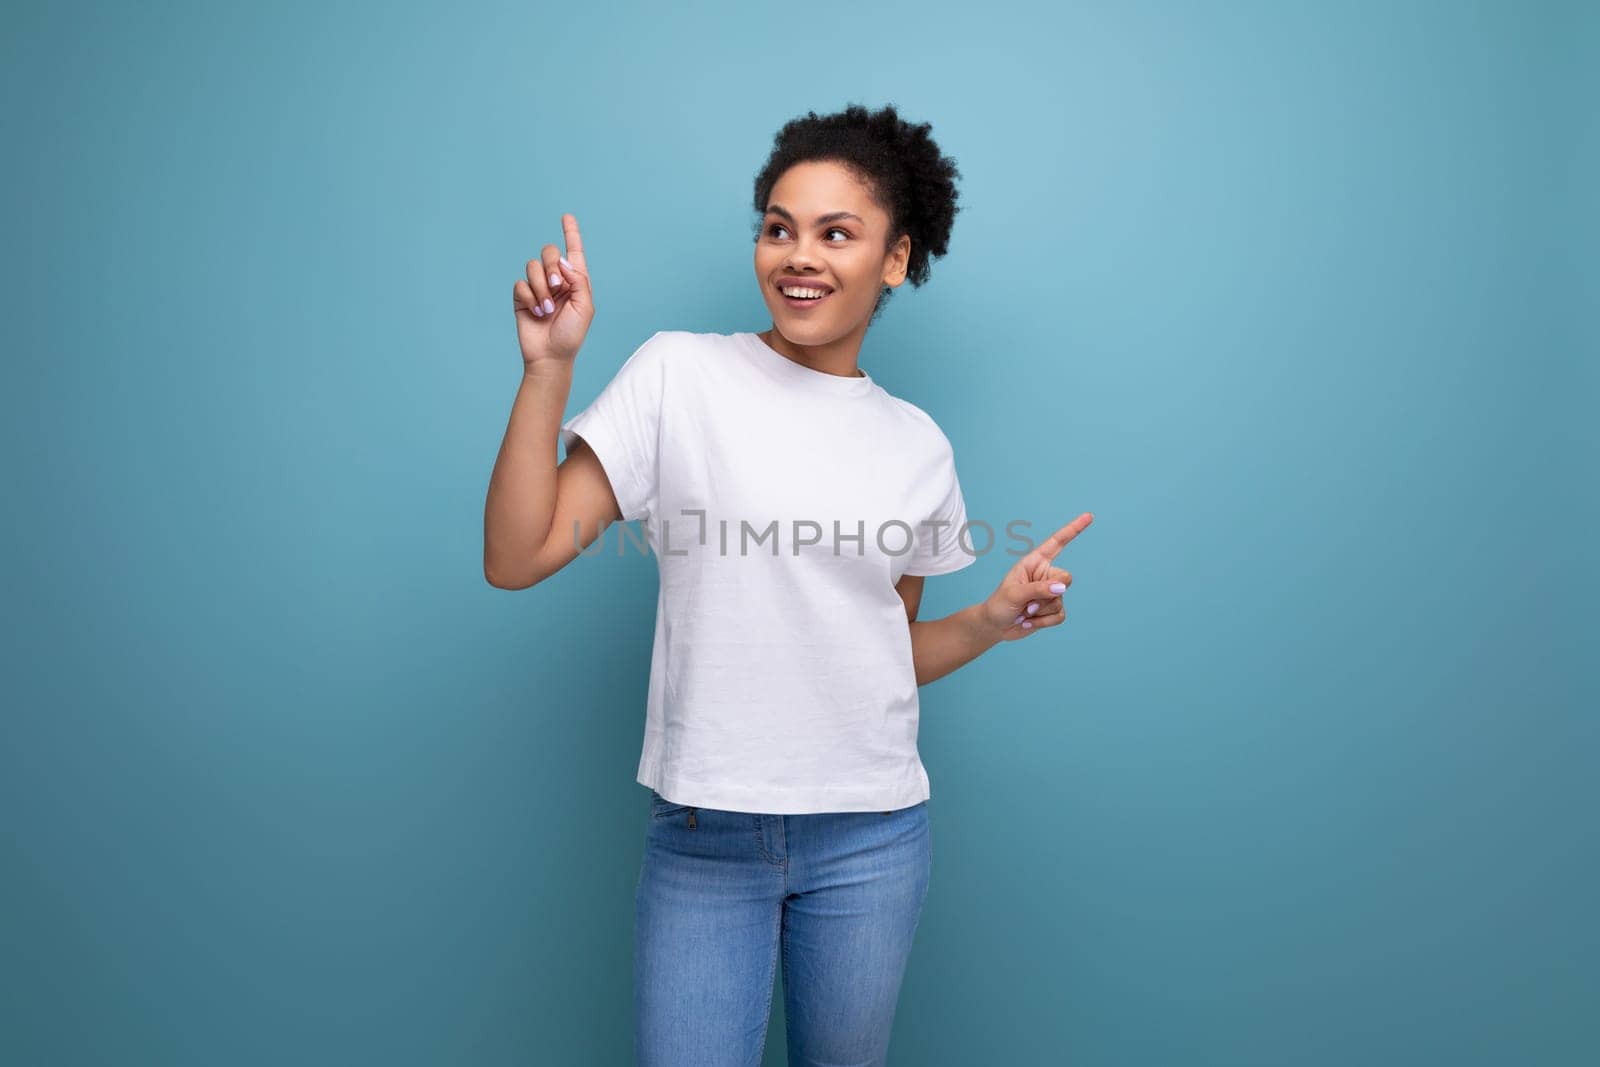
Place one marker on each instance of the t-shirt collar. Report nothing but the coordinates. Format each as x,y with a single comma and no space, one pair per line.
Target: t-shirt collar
805,377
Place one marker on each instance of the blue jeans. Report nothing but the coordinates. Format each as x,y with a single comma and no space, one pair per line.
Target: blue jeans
723,894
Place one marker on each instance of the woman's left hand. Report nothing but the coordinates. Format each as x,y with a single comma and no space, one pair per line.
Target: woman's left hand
1029,597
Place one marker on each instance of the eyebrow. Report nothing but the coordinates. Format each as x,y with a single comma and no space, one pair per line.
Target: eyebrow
833,216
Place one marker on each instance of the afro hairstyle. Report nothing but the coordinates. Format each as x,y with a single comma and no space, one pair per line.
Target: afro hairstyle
899,163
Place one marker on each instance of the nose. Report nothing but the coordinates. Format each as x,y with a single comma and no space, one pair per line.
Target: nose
800,257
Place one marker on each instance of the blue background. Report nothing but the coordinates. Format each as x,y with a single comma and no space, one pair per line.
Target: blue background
1288,295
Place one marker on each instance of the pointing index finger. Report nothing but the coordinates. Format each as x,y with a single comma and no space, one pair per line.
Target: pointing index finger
574,241
1058,540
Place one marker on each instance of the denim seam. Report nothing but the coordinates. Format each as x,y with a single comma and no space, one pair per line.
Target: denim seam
783,922
761,843
783,832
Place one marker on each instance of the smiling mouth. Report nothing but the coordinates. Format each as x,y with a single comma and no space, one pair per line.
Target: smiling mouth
803,301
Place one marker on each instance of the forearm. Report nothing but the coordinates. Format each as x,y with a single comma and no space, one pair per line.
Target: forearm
522,489
939,646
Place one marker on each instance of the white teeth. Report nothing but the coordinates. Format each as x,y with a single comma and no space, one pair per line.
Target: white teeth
805,294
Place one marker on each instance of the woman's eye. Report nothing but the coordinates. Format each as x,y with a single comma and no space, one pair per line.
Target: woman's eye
776,226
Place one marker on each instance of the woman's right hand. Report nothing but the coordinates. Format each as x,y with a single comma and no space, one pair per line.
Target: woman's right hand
562,285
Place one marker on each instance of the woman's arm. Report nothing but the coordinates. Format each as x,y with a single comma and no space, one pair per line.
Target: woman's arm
522,487
1027,600
536,512
539,515
939,646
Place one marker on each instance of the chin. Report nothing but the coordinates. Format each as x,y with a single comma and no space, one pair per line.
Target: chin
792,323
802,333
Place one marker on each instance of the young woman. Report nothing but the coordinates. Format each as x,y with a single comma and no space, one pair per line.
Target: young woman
794,508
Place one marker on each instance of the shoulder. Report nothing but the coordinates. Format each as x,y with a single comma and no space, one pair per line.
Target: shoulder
678,342
661,355
920,424
681,348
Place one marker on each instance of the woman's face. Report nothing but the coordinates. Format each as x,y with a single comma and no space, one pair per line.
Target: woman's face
823,227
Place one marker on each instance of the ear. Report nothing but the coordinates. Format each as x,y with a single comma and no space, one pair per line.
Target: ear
894,264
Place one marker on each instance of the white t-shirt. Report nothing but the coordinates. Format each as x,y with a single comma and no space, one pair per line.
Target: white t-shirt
781,680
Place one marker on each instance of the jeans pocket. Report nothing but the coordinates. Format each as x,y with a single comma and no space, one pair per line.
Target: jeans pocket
661,807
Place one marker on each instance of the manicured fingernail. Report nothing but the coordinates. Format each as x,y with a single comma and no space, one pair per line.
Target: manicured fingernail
564,262
1032,607
1058,587
555,280
1016,620
549,305
538,312
1027,626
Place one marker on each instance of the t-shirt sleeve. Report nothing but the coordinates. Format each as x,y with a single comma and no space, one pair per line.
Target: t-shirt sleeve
939,541
623,427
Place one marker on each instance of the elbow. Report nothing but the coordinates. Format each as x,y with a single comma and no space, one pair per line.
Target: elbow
501,579
510,584
496,581
523,568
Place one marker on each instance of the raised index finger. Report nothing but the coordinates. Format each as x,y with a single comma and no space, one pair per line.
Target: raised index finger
1058,540
574,241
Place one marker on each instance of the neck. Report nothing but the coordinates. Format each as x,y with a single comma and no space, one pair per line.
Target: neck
838,356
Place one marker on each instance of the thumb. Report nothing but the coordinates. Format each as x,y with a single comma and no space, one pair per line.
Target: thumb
578,279
1044,589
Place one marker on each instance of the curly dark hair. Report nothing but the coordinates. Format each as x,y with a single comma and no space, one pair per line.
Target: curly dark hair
898,162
